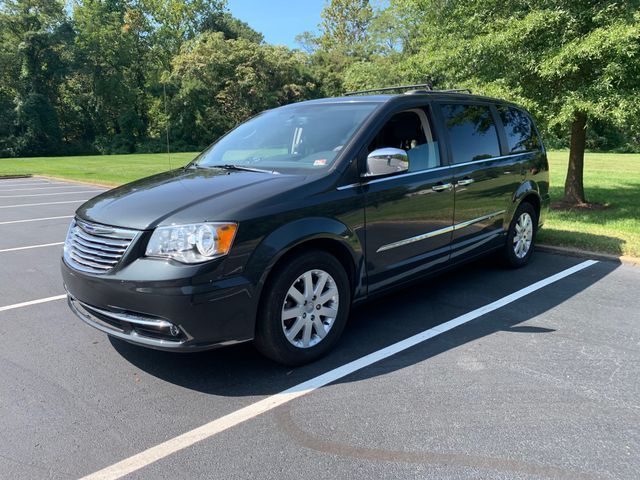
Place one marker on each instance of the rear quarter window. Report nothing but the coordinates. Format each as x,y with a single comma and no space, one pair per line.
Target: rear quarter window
519,130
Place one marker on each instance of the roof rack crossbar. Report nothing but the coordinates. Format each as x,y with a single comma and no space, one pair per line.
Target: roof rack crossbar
426,86
388,89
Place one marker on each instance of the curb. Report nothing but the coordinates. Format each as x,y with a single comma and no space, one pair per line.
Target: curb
576,252
80,182
10,177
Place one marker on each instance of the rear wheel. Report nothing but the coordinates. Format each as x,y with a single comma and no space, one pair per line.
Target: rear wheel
304,309
521,236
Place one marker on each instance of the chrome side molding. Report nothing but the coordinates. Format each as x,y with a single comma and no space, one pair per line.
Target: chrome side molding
417,238
440,231
460,226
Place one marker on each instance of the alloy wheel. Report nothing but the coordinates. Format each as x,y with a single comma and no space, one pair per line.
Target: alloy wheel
310,308
523,235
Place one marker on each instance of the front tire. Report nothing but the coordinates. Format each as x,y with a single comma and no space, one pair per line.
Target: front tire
304,308
521,236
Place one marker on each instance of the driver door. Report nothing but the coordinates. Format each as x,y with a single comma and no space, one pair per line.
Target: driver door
409,215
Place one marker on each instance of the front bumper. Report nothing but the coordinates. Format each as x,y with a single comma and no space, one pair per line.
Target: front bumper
169,314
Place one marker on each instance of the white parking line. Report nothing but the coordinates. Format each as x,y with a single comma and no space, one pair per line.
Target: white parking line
38,204
36,219
2,184
46,194
15,249
210,429
32,302
48,188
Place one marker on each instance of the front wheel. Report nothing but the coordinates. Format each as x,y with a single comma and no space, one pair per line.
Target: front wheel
521,236
304,308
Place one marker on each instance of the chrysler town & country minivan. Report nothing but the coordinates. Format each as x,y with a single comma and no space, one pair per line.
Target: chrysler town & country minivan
273,232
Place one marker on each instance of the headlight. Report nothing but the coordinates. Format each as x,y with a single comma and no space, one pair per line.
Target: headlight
193,243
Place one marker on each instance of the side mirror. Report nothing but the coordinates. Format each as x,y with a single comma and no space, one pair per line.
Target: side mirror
384,161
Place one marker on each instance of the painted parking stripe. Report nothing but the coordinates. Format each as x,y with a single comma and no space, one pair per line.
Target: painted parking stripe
221,424
31,302
39,189
35,219
46,194
2,184
15,249
46,203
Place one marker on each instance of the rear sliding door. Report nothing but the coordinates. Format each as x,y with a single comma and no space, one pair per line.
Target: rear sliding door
484,180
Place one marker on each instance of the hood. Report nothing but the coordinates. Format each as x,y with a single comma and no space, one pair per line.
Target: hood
184,196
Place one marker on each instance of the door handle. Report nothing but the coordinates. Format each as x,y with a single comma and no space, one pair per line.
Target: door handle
439,187
465,181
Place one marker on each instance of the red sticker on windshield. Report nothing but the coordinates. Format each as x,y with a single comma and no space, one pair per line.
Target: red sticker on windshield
320,162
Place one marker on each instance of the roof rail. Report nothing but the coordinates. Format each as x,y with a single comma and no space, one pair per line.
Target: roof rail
456,90
426,86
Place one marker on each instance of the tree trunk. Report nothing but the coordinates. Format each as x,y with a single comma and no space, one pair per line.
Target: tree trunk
574,185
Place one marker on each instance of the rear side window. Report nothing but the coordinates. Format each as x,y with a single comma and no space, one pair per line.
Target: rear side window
521,136
472,132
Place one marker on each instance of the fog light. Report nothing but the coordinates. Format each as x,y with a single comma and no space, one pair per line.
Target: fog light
173,330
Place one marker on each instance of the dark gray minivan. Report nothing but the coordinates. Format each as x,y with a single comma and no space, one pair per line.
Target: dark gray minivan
275,230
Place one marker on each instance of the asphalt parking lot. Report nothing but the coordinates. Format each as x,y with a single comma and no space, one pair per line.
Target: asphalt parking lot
542,384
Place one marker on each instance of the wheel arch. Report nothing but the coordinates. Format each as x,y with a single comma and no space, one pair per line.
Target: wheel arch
529,192
310,233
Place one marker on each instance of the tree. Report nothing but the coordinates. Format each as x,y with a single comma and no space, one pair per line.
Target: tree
567,60
231,27
35,35
343,40
104,76
219,83
177,21
391,38
113,57
345,25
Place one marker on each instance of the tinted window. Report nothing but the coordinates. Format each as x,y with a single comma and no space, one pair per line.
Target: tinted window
410,130
521,136
472,133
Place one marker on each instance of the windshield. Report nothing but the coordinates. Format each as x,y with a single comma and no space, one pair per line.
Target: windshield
293,139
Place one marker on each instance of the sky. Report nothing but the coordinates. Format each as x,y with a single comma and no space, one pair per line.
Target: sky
279,20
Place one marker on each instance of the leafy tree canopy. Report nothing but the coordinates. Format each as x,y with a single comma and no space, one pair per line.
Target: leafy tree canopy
567,60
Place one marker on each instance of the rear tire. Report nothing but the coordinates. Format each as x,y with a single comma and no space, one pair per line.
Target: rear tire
304,308
521,236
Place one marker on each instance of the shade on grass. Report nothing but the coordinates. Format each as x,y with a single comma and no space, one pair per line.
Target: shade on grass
611,179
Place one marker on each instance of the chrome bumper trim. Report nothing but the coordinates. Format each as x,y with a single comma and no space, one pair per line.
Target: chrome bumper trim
84,312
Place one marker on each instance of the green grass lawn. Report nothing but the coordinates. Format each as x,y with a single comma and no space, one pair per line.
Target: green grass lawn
611,179
111,170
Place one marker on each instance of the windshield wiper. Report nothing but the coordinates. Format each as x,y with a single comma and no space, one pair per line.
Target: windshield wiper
230,166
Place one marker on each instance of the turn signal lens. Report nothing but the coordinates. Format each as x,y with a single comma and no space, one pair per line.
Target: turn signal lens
225,235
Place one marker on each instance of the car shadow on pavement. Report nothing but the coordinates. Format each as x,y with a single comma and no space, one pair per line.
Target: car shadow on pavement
241,371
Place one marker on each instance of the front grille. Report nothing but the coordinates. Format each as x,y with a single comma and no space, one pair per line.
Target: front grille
95,248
